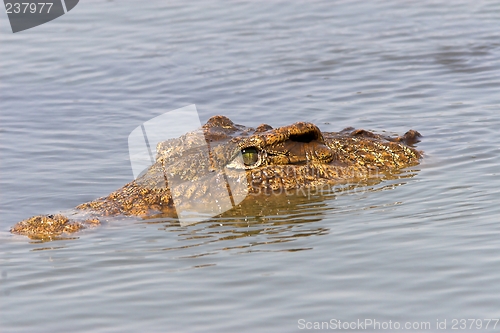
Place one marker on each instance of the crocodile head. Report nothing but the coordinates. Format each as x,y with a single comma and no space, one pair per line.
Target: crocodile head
214,168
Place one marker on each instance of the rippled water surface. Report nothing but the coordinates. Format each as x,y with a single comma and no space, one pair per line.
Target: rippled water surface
420,248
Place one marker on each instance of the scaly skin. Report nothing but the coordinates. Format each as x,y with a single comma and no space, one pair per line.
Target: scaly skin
286,158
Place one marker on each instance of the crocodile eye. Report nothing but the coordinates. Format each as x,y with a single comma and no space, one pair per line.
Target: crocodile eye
250,156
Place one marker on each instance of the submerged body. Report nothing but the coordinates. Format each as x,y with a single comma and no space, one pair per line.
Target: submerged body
266,160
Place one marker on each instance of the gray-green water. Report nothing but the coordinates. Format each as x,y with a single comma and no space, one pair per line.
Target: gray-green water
417,249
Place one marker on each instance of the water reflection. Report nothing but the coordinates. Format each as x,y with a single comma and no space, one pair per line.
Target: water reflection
271,223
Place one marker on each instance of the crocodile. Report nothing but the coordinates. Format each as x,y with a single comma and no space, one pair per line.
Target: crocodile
267,160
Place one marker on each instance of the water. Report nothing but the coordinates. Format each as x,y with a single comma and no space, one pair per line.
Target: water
416,249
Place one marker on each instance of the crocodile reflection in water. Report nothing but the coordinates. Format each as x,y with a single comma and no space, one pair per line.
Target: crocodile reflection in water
298,156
